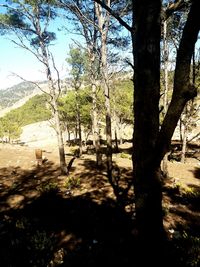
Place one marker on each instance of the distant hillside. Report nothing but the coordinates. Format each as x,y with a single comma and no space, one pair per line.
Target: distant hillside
17,95
34,110
10,96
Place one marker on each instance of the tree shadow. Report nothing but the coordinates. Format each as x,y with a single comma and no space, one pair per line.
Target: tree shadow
53,229
122,185
185,207
197,173
42,226
183,216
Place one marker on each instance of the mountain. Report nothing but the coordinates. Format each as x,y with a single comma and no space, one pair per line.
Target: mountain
9,96
17,95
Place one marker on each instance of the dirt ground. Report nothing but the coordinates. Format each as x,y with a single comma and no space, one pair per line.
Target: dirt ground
48,219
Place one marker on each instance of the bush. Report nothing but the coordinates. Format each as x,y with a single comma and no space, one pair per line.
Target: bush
72,182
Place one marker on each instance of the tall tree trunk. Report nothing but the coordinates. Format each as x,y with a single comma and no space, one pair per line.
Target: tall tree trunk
69,134
120,126
103,22
165,98
184,142
116,120
96,138
91,36
54,108
59,137
188,113
183,90
108,111
79,121
147,182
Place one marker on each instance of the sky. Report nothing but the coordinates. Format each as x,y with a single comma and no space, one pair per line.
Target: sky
17,61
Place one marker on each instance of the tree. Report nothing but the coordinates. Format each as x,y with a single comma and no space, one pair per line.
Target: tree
29,22
84,19
10,128
103,19
76,61
98,30
149,142
122,105
69,114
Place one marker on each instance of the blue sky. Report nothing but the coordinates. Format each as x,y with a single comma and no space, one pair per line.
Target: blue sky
23,63
16,60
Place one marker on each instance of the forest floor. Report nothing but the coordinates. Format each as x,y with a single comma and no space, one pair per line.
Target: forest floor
48,219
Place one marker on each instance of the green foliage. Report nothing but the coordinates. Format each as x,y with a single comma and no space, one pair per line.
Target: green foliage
40,241
125,155
122,100
74,150
9,128
48,37
48,187
11,19
29,20
34,110
67,108
72,182
76,60
187,249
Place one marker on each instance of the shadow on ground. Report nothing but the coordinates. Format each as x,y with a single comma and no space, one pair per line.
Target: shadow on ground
42,226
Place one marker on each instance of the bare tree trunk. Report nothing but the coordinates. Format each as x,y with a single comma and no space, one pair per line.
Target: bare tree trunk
90,36
115,120
60,140
184,143
103,22
116,141
108,115
120,132
188,113
79,122
180,130
69,135
54,108
165,100
147,182
96,138
166,85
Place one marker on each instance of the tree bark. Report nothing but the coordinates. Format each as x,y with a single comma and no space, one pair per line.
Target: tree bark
78,121
165,98
147,184
103,22
183,91
184,143
95,126
54,104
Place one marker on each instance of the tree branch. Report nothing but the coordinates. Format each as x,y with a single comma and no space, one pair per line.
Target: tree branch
34,83
173,7
183,90
57,73
117,17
